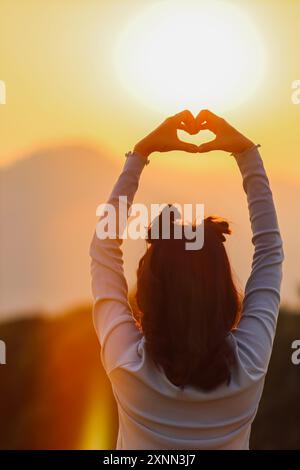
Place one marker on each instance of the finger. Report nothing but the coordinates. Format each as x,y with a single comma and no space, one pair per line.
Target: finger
190,128
208,146
203,127
186,147
183,116
187,118
206,116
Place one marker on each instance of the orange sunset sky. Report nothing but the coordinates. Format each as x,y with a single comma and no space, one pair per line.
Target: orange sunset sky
75,76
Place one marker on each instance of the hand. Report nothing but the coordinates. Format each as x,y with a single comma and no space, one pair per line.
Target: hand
164,138
227,137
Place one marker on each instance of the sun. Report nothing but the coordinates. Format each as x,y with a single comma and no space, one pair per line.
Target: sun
190,54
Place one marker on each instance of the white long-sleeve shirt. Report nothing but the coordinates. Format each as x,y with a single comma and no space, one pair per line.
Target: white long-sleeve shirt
153,412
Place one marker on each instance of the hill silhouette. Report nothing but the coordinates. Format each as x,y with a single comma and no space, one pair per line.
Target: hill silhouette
48,204
47,208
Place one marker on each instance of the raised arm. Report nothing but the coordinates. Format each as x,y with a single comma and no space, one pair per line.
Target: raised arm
256,330
112,315
113,319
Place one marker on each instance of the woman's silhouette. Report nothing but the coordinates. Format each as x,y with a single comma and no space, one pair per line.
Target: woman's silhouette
190,373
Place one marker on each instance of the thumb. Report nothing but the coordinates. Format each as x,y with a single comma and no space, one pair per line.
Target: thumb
208,146
186,147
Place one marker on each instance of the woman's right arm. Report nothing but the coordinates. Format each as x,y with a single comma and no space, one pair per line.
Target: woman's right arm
256,330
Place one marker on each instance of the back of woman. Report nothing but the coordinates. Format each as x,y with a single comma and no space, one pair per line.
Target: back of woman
188,371
155,414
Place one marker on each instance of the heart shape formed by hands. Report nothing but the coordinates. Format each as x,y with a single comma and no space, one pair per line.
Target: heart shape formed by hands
187,127
165,138
198,138
191,126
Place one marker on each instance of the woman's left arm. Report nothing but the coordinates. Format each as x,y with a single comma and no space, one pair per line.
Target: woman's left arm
113,320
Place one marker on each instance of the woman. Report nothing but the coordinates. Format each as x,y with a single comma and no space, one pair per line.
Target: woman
190,374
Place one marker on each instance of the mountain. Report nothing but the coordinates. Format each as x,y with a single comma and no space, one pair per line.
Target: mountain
48,202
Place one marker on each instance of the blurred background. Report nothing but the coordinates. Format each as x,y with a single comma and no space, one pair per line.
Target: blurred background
84,82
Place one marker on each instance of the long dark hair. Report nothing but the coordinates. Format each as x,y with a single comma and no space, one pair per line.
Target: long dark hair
187,304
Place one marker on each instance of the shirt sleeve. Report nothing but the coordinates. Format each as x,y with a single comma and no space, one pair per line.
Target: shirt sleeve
112,315
256,330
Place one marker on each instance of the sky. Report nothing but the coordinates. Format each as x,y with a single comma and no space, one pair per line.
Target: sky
58,64
74,75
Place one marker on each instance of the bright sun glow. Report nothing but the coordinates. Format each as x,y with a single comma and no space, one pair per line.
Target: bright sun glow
190,54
